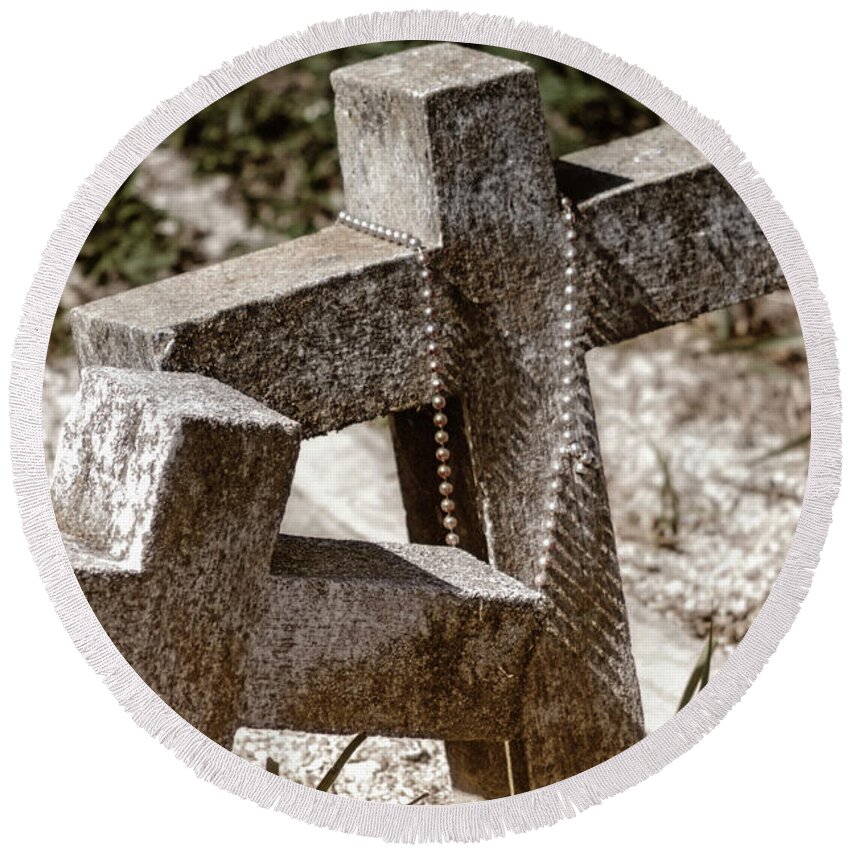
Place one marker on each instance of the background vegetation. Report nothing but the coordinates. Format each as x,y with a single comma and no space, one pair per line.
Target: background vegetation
275,141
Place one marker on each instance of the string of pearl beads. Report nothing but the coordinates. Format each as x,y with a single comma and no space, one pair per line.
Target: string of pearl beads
568,452
436,385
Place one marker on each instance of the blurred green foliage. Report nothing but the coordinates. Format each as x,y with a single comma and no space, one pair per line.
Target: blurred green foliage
276,136
134,243
275,139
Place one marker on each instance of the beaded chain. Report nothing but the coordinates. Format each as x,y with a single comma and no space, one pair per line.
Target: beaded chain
568,452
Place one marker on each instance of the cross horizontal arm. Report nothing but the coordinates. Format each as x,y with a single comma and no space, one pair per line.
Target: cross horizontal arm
334,309
393,639
664,237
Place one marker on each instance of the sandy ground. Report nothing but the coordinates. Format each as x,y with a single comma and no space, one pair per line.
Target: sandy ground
702,515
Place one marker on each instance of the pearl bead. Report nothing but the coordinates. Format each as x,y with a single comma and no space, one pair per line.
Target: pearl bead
404,237
449,522
543,561
440,420
555,466
568,214
442,454
355,222
575,448
549,524
341,215
567,325
447,506
569,289
452,539
546,544
429,311
567,434
567,398
567,343
566,417
552,505
442,437
561,450
425,274
570,252
570,271
437,384
540,580
432,348
571,234
554,485
434,365
446,488
569,307
413,242
396,235
427,293
347,218
566,360
431,329
580,468
438,402
444,470
566,380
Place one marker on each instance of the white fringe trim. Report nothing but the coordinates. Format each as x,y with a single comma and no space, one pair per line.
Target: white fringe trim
474,821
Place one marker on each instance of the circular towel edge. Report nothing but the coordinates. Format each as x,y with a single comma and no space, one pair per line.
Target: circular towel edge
472,821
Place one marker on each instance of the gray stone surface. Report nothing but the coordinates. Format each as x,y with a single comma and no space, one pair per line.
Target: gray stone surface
390,638
664,237
468,133
169,490
282,325
325,329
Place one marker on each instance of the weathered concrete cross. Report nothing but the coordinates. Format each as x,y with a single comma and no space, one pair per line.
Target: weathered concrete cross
449,144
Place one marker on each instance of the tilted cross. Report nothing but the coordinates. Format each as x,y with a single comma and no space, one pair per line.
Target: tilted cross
235,626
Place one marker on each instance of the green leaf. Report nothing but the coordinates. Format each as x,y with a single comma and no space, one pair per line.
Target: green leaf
701,672
331,776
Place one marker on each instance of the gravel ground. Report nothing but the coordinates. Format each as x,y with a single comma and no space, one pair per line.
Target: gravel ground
702,517
386,770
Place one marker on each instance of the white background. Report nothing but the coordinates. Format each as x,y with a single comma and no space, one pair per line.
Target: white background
77,76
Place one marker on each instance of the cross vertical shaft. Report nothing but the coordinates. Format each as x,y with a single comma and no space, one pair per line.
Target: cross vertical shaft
449,144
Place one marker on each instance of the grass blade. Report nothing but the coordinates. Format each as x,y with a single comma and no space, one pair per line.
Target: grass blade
701,672
796,443
330,777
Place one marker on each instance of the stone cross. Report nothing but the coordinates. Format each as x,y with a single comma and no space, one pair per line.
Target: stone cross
170,486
